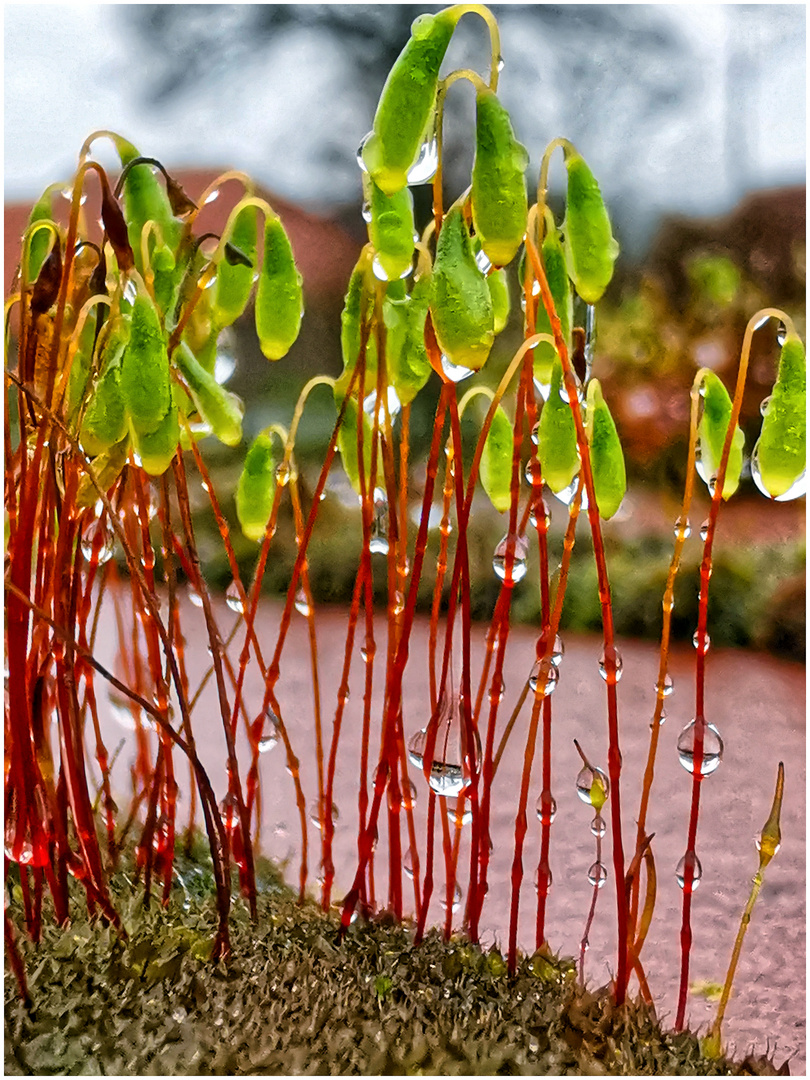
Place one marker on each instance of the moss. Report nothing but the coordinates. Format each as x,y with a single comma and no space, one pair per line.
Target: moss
294,999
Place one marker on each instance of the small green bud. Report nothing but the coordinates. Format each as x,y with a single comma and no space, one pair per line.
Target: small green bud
590,248
499,291
255,491
279,298
157,448
559,285
105,422
498,197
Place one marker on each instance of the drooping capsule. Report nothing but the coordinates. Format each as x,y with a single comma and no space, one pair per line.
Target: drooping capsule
104,422
460,304
557,437
279,297
144,375
347,443
234,281
559,284
712,434
496,461
607,458
590,248
498,195
409,367
779,457
221,410
499,292
157,448
407,102
391,231
42,210
255,491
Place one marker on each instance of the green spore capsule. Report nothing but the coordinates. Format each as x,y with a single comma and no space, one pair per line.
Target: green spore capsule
256,488
498,197
460,304
347,443
408,363
405,110
40,241
496,461
279,298
107,466
235,282
144,378
607,459
80,369
356,310
105,421
157,448
220,409
712,434
557,437
780,455
499,292
391,231
560,287
590,248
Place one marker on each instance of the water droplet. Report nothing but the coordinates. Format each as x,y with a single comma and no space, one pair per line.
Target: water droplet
194,597
545,675
424,168
496,691
682,525
543,389
661,718
130,292
500,63
545,511
668,687
549,881
229,810
301,602
696,641
704,530
399,602
598,827
579,390
519,565
224,366
482,262
265,730
536,432
391,399
233,598
456,898
597,874
567,494
588,778
712,748
365,212
409,796
381,274
359,154
100,537
689,860
781,334
546,809
455,372
449,774
796,491
773,850
283,473
763,405
315,814
367,652
379,526
529,470
611,657
407,864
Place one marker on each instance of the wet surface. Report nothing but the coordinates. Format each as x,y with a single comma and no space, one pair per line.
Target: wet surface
758,704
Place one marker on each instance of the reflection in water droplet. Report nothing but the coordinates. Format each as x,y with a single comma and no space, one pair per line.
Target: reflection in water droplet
315,814
453,812
696,641
781,334
482,262
407,864
194,597
456,898
689,860
365,213
543,389
378,545
589,778
535,432
449,774
763,405
545,674
567,494
796,491
455,372
283,472
610,658
682,525
424,168
101,537
381,274
597,874
598,826
301,602
233,598
519,565
704,530
546,808
359,155
712,748
391,400
224,366
667,688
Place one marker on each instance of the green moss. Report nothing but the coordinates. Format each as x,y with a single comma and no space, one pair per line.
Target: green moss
293,999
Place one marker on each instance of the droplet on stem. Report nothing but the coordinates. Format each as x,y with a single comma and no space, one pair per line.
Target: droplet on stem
593,786
610,659
597,874
696,641
301,602
233,599
712,748
546,808
683,526
519,564
690,860
545,675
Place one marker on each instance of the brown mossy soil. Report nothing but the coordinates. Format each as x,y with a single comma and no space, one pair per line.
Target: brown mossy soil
292,999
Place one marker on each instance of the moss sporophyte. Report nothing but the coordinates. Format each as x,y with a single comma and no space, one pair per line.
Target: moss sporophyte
110,396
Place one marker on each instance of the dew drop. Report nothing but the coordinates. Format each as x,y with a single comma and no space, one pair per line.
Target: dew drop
712,748
301,602
519,564
781,334
546,810
597,874
424,168
99,537
224,366
610,658
683,526
130,292
536,432
399,602
704,530
359,155
482,262
456,898
549,881
589,778
689,860
668,687
381,274
453,812
409,796
796,491
598,827
455,372
696,641
365,213
543,389
194,597
315,814
233,598
283,472
265,728
407,864
544,672
546,515
392,401
763,405
378,544
567,494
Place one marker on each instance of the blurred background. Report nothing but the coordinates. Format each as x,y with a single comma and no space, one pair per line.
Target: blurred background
691,116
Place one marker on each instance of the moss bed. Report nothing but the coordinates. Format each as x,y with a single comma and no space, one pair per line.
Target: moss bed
293,1000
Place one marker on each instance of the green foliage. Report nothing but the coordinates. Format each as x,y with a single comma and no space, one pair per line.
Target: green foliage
560,288
348,443
144,377
780,454
408,363
221,410
499,292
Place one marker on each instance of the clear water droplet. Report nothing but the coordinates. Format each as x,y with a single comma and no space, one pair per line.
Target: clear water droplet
543,506
597,874
365,212
519,563
536,432
482,262
379,527
712,748
424,168
611,657
455,372
102,537
391,400
544,673
301,602
399,602
668,687
690,859
367,653
587,777
683,525
696,641
543,389
283,473
359,154
456,898
763,405
796,491
194,597
598,826
546,809
381,274
409,796
130,292
781,334
704,530
233,598
549,881
449,774
500,63
407,864
567,494
315,814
